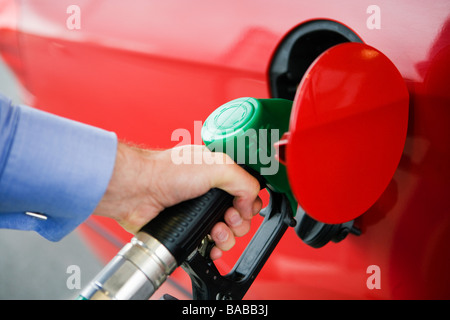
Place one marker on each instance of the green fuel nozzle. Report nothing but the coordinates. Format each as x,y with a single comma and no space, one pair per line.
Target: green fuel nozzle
246,129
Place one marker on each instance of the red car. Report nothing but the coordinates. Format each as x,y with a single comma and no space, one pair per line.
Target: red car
146,68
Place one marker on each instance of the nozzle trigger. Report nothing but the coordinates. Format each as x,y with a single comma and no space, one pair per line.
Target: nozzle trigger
209,284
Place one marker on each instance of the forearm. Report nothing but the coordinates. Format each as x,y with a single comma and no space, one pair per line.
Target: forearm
52,165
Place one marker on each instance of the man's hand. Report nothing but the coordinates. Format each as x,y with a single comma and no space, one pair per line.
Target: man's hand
144,182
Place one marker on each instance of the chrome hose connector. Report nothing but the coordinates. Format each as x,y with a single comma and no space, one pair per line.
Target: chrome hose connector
135,273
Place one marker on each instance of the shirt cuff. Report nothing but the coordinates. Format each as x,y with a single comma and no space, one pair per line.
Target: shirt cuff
58,167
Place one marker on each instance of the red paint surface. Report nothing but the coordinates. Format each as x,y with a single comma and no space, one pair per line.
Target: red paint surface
146,69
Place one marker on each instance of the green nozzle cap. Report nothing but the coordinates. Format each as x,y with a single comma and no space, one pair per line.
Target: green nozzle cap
246,129
230,117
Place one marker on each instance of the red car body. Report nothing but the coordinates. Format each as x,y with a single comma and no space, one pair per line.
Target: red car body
145,68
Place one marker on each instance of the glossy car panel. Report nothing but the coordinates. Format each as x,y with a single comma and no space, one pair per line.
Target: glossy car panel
146,68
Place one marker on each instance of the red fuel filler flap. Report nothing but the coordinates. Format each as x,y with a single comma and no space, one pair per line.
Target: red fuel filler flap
347,132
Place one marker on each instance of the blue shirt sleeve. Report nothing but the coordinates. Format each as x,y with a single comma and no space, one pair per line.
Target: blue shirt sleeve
51,165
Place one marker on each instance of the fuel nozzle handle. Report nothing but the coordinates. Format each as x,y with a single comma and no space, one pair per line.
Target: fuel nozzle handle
181,228
142,265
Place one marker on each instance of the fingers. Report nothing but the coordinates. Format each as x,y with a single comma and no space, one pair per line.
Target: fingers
245,188
237,224
223,234
239,183
223,238
219,171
